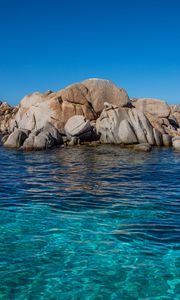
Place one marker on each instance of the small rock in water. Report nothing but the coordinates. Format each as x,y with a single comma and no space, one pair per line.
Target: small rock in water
145,147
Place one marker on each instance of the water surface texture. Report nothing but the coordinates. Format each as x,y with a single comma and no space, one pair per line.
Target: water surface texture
90,223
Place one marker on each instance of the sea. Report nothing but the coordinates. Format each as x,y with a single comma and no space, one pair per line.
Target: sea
90,223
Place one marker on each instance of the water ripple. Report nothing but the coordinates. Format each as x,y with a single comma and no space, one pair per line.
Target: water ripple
90,223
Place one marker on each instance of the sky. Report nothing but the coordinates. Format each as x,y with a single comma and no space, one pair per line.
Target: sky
47,45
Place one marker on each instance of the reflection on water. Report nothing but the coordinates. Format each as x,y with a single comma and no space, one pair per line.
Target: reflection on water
90,223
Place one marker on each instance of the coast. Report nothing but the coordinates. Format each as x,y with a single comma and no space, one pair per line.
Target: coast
93,111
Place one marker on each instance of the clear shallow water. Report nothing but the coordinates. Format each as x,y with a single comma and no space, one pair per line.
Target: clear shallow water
90,223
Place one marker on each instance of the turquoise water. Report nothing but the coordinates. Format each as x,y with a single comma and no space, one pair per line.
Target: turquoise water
90,223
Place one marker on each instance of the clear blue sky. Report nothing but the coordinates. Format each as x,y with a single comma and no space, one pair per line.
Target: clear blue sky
50,44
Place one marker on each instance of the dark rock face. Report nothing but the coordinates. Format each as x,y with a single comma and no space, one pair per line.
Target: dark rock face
124,126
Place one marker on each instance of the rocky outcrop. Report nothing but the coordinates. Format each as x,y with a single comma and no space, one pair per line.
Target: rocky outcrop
86,98
88,111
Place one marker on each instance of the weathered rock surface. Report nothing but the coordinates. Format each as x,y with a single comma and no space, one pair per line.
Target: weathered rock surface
153,106
142,126
155,122
126,133
158,137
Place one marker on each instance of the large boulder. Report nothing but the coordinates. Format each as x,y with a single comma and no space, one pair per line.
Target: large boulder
142,126
51,130
107,125
16,138
124,126
76,101
43,141
176,143
36,110
45,138
86,98
28,144
77,125
102,91
78,129
153,106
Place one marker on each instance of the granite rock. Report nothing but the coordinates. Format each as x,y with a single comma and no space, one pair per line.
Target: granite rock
153,106
16,138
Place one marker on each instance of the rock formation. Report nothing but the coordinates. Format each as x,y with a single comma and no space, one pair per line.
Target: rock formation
92,110
86,98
